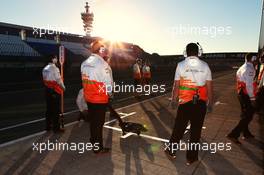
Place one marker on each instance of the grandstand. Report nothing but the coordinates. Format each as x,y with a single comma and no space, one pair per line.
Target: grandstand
11,45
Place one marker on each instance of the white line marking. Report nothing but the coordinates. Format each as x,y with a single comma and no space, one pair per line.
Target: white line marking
22,138
141,135
33,121
127,135
73,111
113,128
121,113
22,124
30,136
219,103
126,115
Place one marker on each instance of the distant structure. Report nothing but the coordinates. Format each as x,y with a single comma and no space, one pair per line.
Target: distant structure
87,18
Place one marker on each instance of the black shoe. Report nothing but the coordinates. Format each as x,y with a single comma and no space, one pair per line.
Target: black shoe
189,162
102,151
233,139
170,154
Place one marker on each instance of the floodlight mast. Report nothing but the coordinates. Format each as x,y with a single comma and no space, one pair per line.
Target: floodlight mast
87,18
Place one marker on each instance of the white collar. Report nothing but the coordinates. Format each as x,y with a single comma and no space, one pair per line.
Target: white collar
51,64
249,63
98,56
192,57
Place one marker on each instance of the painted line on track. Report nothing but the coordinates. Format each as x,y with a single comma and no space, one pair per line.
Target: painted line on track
30,136
141,135
33,121
69,124
124,116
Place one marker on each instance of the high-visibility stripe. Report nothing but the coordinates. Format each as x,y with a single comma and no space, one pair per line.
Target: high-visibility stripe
186,93
187,88
53,85
242,86
94,92
88,82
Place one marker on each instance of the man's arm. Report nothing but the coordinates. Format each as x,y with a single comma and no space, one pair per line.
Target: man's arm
261,81
108,80
175,90
249,80
59,79
175,95
209,86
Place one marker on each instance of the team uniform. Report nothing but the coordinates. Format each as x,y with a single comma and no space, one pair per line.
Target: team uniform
97,83
192,73
54,88
136,74
146,74
246,89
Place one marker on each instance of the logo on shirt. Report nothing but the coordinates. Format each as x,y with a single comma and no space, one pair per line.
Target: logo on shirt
193,70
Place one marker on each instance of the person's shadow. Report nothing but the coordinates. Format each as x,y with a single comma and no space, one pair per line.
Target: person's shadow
132,147
31,159
72,162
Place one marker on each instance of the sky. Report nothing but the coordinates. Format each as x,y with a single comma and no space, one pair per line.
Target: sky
158,26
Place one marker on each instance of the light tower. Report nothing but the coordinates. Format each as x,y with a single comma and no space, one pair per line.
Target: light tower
87,18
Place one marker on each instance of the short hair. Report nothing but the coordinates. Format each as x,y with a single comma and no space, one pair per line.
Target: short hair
248,56
96,45
192,49
51,57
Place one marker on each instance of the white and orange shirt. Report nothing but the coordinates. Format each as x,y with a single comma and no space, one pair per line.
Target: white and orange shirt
245,80
52,79
146,71
192,74
97,79
136,71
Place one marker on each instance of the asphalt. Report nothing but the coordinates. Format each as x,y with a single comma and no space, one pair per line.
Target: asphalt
144,154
